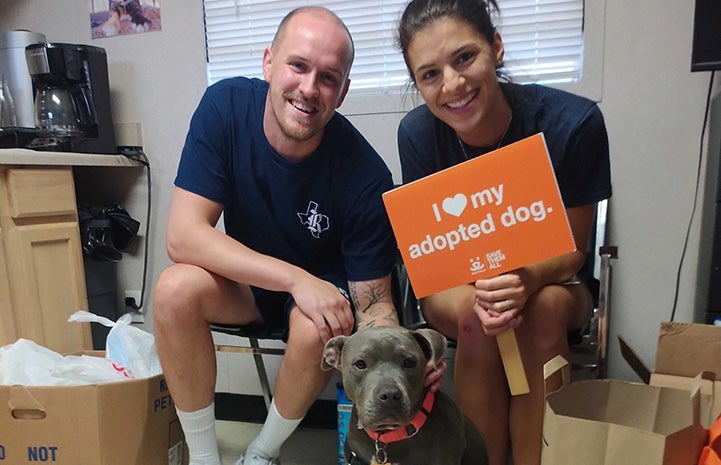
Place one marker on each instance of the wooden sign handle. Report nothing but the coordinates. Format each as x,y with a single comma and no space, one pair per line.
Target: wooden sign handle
512,363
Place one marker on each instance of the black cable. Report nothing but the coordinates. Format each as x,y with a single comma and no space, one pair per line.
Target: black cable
695,197
136,154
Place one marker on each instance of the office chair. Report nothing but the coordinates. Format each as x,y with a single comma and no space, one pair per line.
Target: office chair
589,346
246,338
252,346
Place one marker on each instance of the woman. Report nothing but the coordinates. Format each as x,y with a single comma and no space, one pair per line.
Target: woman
452,52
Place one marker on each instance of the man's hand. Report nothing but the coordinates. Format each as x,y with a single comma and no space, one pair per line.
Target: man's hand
323,303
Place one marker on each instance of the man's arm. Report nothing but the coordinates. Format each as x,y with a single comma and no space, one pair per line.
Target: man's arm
373,302
192,239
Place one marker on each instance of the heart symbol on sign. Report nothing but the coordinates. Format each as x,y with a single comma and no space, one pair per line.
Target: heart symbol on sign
455,205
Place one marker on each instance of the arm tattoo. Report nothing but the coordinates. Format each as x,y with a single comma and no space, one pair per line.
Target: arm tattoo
374,293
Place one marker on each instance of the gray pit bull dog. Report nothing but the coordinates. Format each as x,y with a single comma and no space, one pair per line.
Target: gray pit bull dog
395,419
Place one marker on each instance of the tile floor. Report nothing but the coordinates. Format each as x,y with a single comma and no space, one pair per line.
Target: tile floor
306,446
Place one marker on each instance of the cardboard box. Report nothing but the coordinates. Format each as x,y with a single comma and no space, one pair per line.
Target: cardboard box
612,422
687,355
124,423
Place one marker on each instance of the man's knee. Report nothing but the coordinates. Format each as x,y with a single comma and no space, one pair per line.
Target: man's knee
303,334
178,287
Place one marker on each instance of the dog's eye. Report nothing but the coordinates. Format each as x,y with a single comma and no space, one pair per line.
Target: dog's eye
409,363
360,364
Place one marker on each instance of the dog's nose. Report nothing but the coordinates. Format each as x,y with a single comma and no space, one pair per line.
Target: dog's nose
389,395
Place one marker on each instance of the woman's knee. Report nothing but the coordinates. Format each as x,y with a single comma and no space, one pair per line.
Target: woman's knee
548,316
447,311
473,342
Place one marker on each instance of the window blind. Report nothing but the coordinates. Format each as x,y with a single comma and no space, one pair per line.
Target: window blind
543,39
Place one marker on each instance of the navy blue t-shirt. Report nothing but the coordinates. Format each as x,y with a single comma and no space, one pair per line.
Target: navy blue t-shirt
324,214
573,128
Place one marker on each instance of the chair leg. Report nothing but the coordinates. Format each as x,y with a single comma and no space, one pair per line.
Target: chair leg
604,307
262,373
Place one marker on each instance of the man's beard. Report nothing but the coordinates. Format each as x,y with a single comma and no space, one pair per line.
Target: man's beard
299,131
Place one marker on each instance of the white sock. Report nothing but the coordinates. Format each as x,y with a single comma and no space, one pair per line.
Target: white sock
199,429
276,430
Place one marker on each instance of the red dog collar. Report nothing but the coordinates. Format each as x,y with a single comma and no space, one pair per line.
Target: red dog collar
406,431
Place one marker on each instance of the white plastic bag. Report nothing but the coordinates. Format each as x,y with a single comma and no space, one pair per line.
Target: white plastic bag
127,345
86,369
26,363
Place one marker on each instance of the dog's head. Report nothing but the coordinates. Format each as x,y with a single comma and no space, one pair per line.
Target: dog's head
383,369
116,7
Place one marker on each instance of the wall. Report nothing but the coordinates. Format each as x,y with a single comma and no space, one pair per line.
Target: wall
156,80
654,110
652,104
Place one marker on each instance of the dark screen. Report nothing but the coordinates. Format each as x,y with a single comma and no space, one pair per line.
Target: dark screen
706,52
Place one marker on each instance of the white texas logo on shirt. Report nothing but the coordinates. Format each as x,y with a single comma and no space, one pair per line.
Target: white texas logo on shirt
314,221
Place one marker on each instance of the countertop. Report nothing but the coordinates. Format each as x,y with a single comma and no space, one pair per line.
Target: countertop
33,157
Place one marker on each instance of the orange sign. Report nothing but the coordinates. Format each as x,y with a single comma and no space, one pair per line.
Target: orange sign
480,218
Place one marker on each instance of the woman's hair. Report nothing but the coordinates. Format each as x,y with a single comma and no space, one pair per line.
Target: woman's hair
420,13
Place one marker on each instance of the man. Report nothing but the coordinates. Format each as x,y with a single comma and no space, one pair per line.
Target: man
300,190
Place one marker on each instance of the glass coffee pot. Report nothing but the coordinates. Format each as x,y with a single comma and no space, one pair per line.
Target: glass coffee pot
8,117
62,112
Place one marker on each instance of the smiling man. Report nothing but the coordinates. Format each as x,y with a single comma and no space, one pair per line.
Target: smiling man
307,245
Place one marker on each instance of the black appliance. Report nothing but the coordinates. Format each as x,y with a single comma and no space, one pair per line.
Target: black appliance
706,46
713,305
72,98
711,233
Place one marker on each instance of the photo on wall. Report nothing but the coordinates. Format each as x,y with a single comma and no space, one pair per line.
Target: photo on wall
110,18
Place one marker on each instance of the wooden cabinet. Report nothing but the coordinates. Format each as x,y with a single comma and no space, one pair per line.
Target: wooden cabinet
42,277
7,318
42,258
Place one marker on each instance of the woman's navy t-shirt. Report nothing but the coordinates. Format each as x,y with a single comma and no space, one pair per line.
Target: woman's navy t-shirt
572,126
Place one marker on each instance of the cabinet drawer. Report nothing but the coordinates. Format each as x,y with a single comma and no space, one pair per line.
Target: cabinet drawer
40,192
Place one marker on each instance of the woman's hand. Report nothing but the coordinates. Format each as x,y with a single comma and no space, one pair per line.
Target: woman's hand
500,300
434,374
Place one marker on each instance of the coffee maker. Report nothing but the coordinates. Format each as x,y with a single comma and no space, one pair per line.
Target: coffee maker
17,111
72,98
14,73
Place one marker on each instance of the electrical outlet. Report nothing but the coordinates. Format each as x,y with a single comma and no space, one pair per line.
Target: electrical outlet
137,314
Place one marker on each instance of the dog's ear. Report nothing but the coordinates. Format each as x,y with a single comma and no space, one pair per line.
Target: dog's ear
432,343
332,353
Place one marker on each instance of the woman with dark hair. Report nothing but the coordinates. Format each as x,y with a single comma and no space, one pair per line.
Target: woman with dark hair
453,53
